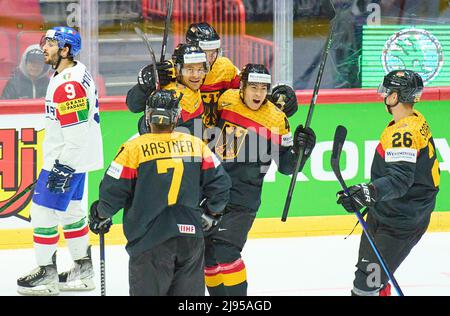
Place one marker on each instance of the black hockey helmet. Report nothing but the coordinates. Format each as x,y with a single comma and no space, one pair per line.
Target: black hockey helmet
162,108
203,35
407,83
188,54
255,73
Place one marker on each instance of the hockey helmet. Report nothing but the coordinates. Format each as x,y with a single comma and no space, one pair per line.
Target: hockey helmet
162,108
255,73
64,36
188,54
407,83
203,35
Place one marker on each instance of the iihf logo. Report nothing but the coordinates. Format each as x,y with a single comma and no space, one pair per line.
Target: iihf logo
20,160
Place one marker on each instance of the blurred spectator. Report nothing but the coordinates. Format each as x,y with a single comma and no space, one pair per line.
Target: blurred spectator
31,78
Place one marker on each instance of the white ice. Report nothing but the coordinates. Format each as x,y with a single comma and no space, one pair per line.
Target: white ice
308,266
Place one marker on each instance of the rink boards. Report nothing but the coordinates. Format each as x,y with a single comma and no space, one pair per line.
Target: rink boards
313,210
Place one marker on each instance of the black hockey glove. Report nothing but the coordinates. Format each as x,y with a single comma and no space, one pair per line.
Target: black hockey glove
304,138
98,224
146,79
285,99
59,178
360,195
146,76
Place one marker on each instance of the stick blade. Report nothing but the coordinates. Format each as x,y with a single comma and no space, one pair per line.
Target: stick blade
338,142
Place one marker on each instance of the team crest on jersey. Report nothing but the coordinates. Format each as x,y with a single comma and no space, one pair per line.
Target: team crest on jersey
20,152
209,116
230,141
210,97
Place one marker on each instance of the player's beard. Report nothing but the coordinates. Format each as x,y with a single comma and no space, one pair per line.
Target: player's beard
53,60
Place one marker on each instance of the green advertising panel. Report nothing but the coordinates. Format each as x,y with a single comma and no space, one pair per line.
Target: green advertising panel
315,191
420,48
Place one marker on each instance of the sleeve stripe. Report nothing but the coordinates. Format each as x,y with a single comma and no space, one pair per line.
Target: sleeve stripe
66,124
210,162
186,116
215,86
128,173
235,83
380,150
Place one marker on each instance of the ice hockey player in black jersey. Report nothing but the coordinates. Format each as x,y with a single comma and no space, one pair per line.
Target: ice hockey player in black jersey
159,179
191,67
404,183
253,132
224,75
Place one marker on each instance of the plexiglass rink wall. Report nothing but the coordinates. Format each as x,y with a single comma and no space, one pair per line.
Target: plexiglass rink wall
371,38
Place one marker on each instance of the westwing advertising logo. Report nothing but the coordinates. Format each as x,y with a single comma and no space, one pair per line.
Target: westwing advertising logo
20,161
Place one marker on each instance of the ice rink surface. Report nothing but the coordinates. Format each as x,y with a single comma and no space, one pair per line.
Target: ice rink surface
307,266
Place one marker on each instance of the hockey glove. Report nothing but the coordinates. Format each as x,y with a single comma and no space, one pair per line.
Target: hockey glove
360,195
304,138
210,220
166,72
285,99
146,79
59,178
98,224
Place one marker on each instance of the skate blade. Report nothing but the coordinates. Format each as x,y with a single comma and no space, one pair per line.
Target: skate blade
77,285
40,290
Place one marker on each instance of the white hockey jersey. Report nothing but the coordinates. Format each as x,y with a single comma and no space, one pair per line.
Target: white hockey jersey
72,121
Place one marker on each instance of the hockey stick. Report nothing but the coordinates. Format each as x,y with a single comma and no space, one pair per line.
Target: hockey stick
338,143
287,203
151,52
102,264
169,5
16,197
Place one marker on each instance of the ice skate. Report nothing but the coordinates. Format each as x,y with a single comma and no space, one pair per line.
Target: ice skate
80,277
41,281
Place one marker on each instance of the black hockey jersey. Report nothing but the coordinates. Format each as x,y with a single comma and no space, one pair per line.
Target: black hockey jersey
405,173
159,180
248,141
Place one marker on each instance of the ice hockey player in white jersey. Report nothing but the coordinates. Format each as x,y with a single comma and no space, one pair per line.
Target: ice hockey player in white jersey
72,147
